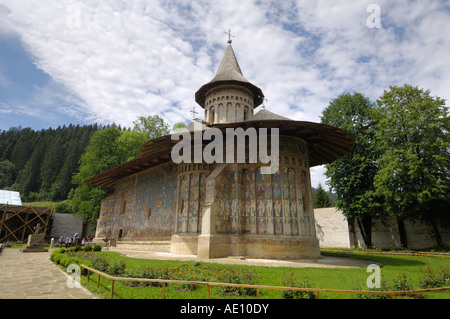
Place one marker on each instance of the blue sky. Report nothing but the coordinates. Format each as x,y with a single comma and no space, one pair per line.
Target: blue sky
82,62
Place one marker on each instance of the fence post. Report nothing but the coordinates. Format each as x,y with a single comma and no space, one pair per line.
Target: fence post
88,274
112,288
318,295
163,290
98,280
207,291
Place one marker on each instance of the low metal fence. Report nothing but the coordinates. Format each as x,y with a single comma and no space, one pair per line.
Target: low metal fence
393,294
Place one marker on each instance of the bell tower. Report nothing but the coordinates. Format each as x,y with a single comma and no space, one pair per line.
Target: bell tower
229,97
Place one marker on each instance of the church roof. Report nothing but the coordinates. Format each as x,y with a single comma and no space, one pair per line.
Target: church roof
264,114
325,145
229,72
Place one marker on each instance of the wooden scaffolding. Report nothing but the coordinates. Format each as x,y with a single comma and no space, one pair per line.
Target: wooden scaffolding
17,222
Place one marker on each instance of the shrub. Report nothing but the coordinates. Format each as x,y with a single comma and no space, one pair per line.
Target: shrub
87,248
68,261
303,282
155,273
117,268
62,259
56,258
134,273
54,253
100,262
63,207
435,280
77,248
238,276
97,248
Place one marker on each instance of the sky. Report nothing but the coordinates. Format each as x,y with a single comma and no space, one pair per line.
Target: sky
82,62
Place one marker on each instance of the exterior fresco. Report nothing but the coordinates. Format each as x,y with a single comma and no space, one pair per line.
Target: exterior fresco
142,207
166,203
267,204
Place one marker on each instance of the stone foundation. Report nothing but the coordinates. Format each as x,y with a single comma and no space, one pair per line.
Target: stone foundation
219,246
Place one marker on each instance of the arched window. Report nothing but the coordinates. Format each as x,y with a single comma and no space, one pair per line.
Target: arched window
245,113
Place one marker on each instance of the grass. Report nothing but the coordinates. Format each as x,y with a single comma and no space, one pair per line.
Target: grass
413,267
39,204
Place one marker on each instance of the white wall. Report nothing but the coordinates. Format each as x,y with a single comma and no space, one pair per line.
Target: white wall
331,228
333,231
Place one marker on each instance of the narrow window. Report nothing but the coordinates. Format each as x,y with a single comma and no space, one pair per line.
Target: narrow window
124,207
149,212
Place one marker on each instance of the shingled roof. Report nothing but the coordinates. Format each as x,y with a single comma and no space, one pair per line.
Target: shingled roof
229,72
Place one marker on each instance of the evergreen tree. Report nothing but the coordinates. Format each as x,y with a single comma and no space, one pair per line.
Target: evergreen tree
7,174
321,199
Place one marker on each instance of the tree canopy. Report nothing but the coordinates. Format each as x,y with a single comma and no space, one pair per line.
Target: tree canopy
351,176
400,164
413,136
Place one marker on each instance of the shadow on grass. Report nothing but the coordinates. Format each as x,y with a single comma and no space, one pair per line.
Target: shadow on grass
391,260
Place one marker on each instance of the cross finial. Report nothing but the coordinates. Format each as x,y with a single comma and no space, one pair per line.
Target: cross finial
263,105
229,36
194,113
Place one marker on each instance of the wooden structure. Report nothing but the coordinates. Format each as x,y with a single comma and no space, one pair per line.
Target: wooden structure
17,222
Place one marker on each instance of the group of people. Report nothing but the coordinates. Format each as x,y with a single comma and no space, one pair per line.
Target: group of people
74,241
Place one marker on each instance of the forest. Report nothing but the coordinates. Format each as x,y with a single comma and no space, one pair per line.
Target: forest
40,164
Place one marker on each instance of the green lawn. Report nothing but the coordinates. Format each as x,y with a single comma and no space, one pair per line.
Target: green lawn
39,204
413,268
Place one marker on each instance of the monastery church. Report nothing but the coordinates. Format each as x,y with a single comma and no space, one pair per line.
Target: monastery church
222,209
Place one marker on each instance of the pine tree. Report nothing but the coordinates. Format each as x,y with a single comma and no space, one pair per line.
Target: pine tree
321,198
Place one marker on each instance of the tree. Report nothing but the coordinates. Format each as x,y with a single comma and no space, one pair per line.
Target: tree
351,177
152,126
321,198
107,148
7,174
414,175
178,127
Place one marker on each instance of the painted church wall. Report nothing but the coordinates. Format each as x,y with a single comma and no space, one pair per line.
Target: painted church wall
142,207
267,204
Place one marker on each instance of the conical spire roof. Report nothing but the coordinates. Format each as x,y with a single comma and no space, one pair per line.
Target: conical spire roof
229,72
229,69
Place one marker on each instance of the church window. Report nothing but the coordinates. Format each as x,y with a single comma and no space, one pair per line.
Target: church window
123,207
182,205
245,113
211,116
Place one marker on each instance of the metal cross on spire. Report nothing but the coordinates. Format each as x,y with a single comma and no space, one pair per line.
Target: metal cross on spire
194,113
229,36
